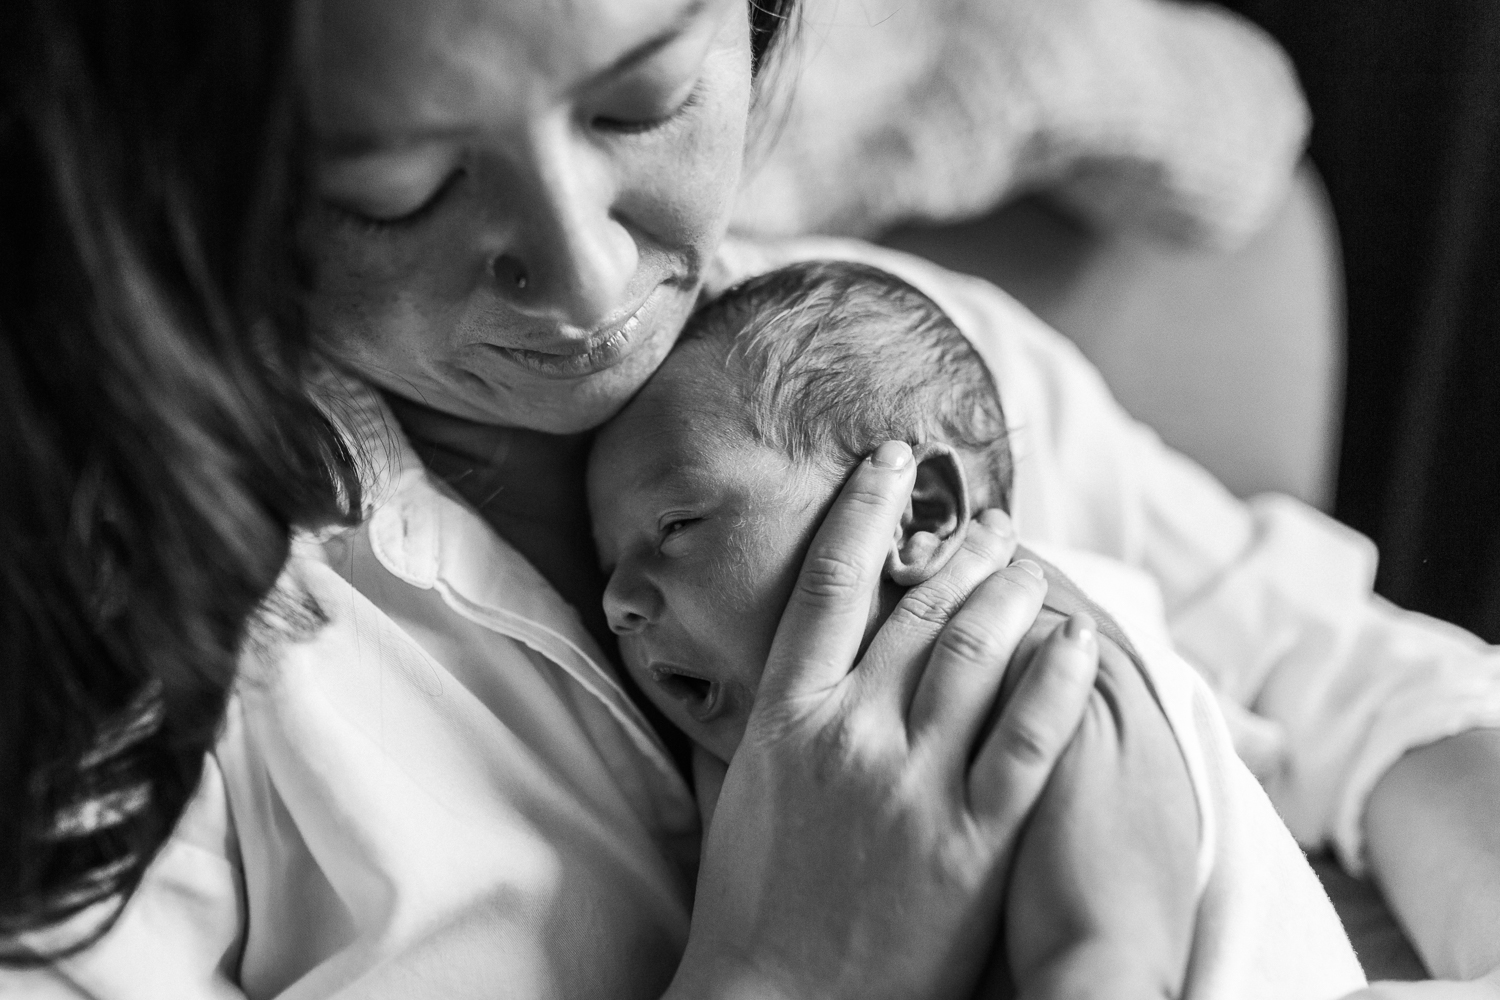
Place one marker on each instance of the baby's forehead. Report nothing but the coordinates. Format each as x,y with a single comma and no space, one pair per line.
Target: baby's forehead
678,423
698,390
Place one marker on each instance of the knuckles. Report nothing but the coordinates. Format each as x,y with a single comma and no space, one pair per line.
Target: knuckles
968,640
864,500
931,603
830,575
1025,741
991,546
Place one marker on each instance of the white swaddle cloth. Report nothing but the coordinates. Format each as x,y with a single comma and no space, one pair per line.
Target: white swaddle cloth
1265,928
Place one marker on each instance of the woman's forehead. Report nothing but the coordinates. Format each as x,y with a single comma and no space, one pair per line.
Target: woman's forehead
395,65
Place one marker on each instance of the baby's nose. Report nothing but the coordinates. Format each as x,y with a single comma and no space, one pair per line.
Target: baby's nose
630,602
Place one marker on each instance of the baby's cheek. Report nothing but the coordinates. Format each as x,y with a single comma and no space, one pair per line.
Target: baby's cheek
751,587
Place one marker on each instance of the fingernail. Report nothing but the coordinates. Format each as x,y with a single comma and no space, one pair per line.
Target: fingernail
997,521
1080,629
891,455
1031,567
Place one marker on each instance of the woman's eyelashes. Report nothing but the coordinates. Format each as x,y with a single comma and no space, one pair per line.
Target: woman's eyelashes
637,121
379,222
637,109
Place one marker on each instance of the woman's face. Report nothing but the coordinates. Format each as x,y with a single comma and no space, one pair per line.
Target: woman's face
517,199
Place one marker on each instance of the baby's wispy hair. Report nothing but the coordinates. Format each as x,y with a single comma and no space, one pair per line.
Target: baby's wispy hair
833,357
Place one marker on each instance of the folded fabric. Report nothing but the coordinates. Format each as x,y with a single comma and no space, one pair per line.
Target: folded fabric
1179,118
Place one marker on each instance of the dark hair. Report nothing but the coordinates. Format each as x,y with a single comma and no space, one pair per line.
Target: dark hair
768,22
834,357
156,438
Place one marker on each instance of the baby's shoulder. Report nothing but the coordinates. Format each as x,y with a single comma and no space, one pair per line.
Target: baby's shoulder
1130,597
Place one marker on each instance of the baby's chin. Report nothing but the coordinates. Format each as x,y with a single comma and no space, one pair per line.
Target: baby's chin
718,737
721,746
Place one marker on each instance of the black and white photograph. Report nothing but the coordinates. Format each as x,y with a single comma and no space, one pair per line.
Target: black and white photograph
749,500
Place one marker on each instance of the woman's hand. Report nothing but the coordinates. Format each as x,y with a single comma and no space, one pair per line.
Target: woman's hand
861,836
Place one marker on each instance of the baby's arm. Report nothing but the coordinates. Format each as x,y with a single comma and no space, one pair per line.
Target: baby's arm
1102,897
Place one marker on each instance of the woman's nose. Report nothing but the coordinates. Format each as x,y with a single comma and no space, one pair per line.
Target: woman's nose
572,258
630,601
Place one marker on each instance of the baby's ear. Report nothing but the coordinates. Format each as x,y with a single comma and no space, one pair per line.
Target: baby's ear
936,518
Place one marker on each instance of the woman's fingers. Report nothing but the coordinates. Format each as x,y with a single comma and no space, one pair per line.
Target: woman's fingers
956,692
1034,728
897,658
824,622
829,808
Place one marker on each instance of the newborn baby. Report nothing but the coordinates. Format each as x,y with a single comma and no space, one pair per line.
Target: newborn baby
705,493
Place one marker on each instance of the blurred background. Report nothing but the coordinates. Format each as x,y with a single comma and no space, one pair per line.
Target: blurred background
1347,350
1348,353
1405,99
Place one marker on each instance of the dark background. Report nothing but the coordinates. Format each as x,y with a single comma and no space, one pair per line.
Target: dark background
1406,105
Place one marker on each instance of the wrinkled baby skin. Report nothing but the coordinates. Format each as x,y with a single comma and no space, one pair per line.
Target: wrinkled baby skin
702,530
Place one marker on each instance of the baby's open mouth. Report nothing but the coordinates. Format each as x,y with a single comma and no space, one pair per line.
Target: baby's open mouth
699,694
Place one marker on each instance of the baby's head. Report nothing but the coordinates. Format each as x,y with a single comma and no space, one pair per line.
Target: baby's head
708,487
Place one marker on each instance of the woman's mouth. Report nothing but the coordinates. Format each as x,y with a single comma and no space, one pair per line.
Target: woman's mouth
601,351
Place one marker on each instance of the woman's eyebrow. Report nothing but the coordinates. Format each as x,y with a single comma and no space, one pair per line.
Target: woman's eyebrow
651,46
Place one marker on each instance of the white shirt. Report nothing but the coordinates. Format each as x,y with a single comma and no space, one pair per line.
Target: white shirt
1263,926
442,791
1324,684
435,787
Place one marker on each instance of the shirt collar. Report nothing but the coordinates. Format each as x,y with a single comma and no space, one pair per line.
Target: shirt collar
430,539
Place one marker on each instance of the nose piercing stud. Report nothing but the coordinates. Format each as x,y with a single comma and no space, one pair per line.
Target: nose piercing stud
507,267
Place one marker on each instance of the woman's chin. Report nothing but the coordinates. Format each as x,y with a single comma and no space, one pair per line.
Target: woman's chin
572,394
572,406
492,387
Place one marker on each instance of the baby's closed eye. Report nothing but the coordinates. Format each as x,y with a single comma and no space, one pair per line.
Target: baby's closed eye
672,525
671,529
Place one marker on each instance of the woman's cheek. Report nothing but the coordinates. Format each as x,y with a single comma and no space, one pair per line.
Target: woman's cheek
433,263
688,183
400,292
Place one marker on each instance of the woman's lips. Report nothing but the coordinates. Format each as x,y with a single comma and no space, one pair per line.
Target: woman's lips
600,352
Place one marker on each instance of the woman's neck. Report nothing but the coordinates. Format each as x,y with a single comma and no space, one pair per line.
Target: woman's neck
529,487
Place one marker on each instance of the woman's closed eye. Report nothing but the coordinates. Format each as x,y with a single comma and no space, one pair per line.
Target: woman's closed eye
402,216
390,188
659,85
647,114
